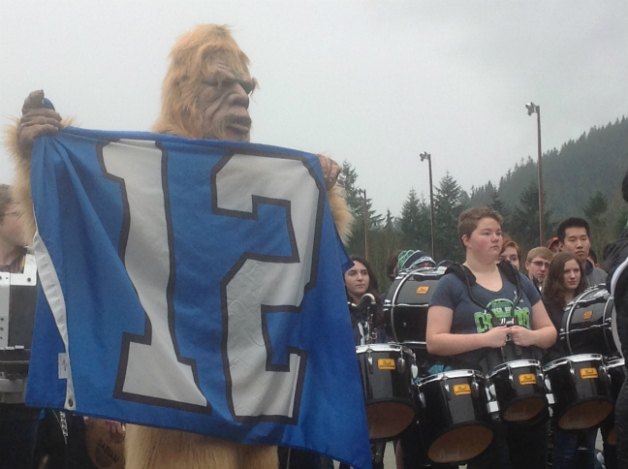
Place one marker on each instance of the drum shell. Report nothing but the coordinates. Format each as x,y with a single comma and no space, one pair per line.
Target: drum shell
579,382
587,324
406,303
519,385
386,372
450,401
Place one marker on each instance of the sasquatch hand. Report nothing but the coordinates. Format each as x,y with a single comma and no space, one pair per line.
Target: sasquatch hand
331,170
36,120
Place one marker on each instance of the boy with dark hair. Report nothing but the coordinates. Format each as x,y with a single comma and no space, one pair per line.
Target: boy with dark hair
575,237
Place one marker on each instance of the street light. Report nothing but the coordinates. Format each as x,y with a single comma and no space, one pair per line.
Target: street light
535,108
365,215
423,157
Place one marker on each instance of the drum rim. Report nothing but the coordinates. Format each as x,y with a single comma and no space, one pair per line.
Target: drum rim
576,358
461,373
383,347
619,361
595,291
519,363
379,347
614,331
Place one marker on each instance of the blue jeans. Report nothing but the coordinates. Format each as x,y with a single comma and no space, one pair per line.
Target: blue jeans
574,449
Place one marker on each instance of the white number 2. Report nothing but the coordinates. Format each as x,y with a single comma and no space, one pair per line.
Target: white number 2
259,285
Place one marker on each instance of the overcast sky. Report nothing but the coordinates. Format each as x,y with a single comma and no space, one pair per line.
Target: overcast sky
372,82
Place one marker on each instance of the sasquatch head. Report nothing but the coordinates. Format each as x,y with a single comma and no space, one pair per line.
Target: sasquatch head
206,90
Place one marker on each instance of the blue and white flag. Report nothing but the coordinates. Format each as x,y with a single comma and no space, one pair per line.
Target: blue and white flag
195,285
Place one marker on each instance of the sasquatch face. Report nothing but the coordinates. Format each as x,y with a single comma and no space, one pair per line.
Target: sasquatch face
223,101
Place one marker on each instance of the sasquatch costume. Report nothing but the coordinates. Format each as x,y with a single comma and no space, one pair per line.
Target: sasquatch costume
205,48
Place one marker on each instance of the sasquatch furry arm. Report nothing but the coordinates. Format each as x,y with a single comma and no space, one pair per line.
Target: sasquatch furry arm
341,212
150,448
22,181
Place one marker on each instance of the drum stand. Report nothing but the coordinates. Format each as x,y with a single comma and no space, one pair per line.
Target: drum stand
378,446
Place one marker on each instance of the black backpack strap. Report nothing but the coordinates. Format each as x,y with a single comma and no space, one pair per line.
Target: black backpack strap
512,275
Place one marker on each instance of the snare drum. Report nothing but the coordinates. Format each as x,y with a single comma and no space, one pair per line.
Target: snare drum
386,371
453,416
581,388
587,324
519,388
617,373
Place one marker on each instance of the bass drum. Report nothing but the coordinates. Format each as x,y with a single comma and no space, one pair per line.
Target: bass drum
588,325
406,304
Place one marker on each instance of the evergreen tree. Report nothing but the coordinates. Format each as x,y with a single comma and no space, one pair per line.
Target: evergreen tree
523,223
449,201
414,223
386,241
496,202
595,211
359,206
350,176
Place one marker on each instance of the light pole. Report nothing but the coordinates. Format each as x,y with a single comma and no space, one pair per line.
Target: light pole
535,108
365,215
423,157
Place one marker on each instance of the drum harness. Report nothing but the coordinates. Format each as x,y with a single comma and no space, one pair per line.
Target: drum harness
466,276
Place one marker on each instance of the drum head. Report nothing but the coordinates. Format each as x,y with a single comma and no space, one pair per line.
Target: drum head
461,444
380,423
584,415
524,410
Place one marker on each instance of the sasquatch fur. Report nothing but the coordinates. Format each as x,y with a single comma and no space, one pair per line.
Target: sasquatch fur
169,449
154,448
22,181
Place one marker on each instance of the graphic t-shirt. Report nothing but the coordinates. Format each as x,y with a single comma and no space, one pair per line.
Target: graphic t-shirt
490,309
